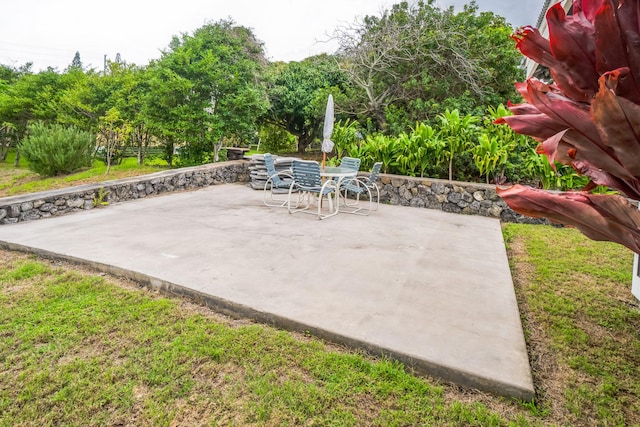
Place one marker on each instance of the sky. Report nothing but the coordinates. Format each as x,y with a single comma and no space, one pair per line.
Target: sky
48,33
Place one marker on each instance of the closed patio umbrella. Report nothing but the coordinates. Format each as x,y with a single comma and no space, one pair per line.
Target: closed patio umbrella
327,143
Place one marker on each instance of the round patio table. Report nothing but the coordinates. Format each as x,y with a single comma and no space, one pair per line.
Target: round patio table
340,174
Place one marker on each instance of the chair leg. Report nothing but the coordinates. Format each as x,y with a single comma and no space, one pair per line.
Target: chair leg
268,198
330,184
346,199
296,207
377,196
356,208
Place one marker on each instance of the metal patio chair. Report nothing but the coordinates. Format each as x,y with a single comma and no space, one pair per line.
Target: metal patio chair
351,163
363,185
277,183
309,184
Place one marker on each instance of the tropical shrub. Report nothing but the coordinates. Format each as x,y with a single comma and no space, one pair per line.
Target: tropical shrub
506,156
385,150
347,138
458,133
491,154
54,149
275,139
422,152
588,119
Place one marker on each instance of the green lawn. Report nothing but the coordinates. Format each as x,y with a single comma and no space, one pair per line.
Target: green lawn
20,180
583,324
80,348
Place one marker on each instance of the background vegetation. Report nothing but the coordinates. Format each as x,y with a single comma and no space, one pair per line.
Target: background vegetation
419,87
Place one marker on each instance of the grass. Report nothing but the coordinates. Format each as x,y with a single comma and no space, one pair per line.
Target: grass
20,180
79,348
582,324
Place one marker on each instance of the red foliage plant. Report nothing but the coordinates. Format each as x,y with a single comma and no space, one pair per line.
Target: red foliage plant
588,118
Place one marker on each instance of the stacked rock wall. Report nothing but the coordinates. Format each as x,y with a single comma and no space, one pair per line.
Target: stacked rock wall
448,196
56,202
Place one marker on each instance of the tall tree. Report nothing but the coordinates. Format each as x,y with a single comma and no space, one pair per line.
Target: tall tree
298,93
206,88
8,135
416,60
31,97
76,63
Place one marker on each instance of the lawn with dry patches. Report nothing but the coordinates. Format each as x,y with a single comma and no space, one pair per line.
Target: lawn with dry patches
79,347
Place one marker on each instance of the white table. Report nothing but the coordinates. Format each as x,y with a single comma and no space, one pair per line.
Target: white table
340,174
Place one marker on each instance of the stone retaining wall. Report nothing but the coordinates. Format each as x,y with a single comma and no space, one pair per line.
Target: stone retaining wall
57,202
448,196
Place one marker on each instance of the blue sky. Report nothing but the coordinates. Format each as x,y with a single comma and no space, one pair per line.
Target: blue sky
48,33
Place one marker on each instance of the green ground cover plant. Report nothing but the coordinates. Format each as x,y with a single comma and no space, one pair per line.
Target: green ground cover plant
81,348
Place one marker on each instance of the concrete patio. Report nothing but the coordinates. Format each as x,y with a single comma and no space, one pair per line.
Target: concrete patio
428,288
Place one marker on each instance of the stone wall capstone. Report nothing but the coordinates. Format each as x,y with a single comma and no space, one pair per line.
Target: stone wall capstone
46,204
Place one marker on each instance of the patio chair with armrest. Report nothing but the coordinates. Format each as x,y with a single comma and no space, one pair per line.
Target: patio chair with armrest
350,162
363,185
277,183
309,184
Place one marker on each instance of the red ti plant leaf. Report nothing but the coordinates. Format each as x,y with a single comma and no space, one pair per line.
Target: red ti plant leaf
588,8
617,45
598,216
573,45
618,122
589,119
531,44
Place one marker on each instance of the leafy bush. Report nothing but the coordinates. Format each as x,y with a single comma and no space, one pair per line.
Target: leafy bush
274,139
422,152
504,155
346,137
469,146
56,150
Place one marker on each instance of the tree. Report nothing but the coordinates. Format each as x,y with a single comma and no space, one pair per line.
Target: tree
8,76
27,97
416,60
131,102
298,93
588,119
206,89
115,132
76,63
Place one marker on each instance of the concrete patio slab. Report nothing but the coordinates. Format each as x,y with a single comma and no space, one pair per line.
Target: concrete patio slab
430,289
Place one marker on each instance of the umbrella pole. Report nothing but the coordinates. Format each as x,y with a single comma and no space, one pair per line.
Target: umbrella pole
324,159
